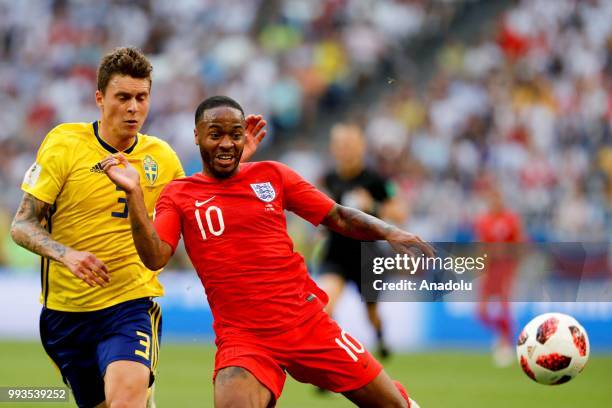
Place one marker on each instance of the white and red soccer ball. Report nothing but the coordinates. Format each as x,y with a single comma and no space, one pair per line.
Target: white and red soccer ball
553,348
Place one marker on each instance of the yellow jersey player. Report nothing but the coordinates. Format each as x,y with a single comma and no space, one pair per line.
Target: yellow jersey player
99,323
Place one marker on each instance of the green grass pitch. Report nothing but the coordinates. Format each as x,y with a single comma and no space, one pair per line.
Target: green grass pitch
435,379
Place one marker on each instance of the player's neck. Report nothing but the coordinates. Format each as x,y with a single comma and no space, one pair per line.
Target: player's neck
349,172
208,173
114,140
497,210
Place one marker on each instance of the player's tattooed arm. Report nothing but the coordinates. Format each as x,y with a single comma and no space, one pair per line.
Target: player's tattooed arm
27,231
358,225
153,252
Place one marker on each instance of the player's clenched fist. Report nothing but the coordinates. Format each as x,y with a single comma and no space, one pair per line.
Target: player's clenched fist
87,267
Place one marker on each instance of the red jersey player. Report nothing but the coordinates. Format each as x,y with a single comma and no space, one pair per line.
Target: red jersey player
499,225
268,313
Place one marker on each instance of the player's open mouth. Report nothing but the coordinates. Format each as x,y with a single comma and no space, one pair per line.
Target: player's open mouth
225,159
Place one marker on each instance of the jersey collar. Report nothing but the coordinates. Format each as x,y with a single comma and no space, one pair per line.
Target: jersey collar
236,177
109,147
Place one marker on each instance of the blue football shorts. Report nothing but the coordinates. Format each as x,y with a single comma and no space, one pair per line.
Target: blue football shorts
83,344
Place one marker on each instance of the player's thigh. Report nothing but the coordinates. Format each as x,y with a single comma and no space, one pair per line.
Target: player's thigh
126,383
237,387
380,392
324,355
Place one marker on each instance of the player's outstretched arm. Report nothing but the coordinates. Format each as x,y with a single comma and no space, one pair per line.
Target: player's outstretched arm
28,232
153,252
254,133
364,227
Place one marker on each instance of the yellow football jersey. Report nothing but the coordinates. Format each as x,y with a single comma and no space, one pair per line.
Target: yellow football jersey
89,213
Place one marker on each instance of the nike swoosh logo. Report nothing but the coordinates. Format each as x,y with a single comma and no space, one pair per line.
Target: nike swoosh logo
201,203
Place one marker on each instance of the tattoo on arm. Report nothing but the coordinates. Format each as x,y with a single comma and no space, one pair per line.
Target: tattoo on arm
356,224
27,229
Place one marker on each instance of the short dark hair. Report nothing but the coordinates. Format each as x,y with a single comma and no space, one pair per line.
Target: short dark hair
127,61
215,102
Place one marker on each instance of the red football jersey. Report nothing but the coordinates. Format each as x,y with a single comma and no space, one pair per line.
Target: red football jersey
235,234
500,227
503,226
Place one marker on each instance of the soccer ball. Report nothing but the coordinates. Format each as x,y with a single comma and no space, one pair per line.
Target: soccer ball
552,348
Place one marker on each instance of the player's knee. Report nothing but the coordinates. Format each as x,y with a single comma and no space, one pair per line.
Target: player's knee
378,401
121,403
380,392
126,384
235,387
240,398
237,399
128,396
392,402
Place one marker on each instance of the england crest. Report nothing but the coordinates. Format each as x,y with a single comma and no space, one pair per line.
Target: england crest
150,169
264,191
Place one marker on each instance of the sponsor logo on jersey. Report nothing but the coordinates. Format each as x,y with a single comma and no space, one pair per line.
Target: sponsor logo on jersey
150,169
264,191
96,168
201,203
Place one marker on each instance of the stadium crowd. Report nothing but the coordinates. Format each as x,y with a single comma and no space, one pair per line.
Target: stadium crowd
529,106
279,59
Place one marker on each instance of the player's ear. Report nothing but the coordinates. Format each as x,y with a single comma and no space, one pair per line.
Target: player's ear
99,98
195,135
